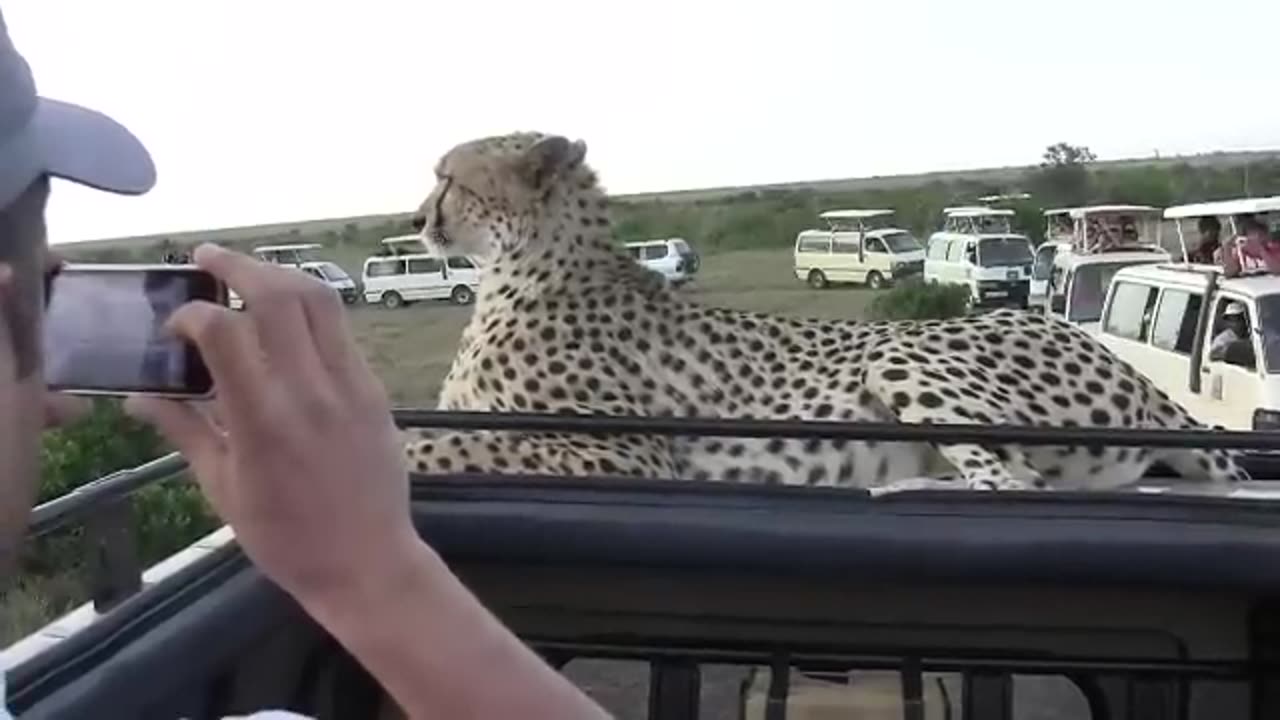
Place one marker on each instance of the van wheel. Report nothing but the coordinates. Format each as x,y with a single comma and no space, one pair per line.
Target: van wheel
817,280
875,280
392,300
462,295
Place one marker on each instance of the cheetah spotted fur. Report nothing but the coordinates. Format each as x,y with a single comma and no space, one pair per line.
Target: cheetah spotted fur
564,322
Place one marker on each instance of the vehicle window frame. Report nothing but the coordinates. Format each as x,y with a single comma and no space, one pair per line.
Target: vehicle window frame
1144,319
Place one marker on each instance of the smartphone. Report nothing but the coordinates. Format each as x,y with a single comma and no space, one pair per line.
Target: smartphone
104,330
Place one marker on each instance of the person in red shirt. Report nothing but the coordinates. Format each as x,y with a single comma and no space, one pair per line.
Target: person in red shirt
1257,248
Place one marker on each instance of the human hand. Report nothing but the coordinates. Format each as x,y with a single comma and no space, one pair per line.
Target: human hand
61,410
300,456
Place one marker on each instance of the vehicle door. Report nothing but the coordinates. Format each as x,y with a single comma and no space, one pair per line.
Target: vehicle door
1232,378
935,259
1126,329
1040,271
1173,334
383,275
427,280
846,262
659,258
460,270
1057,290
813,252
877,258
956,268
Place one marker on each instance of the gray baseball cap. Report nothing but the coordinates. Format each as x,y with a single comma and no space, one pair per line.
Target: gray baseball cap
41,136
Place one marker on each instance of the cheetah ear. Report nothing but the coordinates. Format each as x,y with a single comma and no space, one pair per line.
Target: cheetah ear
550,157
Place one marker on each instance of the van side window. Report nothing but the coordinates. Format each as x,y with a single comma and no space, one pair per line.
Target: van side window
386,269
424,266
1129,315
458,262
845,246
876,245
1175,324
815,245
938,249
655,252
955,251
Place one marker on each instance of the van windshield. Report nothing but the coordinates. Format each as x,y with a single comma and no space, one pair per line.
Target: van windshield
901,242
1269,325
1004,251
331,271
682,248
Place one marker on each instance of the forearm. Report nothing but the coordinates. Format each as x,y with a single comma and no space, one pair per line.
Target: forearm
440,653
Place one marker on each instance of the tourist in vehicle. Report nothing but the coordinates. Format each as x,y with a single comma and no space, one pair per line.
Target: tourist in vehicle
1256,249
1206,253
305,465
1234,329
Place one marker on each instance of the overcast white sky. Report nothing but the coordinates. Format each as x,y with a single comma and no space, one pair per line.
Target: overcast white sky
276,110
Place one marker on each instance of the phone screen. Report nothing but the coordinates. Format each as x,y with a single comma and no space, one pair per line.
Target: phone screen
105,330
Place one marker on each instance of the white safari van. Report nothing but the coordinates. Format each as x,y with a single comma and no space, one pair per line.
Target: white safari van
1168,321
305,257
399,277
672,258
1084,247
978,248
858,246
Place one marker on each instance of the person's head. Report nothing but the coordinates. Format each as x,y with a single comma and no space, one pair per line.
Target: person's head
39,139
1234,317
1255,230
1210,230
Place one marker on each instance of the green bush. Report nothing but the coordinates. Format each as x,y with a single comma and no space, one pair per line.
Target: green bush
914,300
168,516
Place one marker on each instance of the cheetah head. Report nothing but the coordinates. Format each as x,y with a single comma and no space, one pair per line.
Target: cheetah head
491,193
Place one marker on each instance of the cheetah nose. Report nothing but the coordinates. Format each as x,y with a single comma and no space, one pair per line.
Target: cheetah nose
419,221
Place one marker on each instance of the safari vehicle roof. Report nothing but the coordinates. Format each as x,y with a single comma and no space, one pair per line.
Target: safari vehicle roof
1189,275
1238,206
877,232
281,248
1136,254
976,211
1171,596
655,241
399,239
1082,212
854,214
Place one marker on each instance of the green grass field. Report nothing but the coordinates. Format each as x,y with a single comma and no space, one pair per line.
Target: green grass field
411,348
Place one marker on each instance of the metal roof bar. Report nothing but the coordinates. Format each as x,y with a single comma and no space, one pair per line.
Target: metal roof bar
845,430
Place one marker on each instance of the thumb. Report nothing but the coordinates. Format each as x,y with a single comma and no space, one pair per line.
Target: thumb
184,427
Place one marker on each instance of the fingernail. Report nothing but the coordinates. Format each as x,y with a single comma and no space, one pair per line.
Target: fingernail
6,273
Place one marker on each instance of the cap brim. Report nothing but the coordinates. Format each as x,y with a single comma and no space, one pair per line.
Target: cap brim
86,147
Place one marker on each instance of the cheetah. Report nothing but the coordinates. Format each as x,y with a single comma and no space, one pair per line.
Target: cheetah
564,322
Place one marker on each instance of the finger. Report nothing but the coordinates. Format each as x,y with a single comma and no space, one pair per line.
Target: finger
273,298
61,410
203,445
226,343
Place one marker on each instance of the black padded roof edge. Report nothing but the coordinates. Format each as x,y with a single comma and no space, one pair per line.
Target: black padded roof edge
953,538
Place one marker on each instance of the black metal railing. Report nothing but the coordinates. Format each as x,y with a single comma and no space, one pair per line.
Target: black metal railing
105,507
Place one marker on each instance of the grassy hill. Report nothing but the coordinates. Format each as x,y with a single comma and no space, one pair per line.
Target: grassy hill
764,216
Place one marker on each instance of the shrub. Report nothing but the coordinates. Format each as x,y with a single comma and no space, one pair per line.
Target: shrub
168,516
914,300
